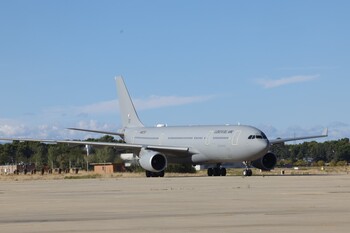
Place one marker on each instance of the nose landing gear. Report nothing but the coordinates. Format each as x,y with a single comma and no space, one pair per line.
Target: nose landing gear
247,171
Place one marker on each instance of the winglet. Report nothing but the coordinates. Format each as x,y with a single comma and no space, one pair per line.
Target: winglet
325,132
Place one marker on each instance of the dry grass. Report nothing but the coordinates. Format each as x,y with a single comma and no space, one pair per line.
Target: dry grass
230,172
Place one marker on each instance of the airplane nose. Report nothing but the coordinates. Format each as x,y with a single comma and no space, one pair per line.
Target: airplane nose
258,148
263,146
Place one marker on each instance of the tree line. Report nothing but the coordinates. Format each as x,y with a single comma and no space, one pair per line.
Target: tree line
312,153
57,155
65,156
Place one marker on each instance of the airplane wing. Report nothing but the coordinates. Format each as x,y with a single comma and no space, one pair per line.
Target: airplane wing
75,142
168,150
282,140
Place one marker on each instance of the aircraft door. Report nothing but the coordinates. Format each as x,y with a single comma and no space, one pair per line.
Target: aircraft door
235,137
209,138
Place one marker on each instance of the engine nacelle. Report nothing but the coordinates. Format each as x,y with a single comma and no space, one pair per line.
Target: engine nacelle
266,163
152,161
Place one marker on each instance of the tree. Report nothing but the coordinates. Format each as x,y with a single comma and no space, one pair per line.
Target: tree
343,152
24,151
40,155
9,154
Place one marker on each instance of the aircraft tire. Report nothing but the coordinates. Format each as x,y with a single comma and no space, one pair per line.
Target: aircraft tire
250,172
217,171
162,173
210,171
223,171
247,172
155,174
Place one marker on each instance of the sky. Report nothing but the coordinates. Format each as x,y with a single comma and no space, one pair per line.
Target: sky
282,66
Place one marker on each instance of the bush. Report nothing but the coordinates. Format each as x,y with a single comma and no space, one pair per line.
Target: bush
320,163
300,163
342,163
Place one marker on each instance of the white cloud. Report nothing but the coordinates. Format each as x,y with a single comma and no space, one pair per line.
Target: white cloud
272,83
166,101
51,123
104,107
112,106
10,128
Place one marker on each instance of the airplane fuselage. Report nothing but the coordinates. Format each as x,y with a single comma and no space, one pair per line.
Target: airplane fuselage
207,144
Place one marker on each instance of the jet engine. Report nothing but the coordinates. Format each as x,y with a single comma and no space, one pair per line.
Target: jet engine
152,161
266,163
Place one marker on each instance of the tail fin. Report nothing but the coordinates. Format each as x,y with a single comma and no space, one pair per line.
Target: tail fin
127,110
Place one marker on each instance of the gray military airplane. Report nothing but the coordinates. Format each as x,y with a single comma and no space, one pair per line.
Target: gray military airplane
155,147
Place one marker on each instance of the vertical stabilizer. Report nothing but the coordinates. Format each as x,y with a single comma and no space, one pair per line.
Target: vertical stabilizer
127,110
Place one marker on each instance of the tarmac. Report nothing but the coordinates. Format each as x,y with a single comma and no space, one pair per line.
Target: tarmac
319,203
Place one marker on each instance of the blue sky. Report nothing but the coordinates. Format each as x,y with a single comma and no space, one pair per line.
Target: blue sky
281,66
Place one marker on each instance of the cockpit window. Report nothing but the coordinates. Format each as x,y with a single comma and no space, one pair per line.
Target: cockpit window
262,136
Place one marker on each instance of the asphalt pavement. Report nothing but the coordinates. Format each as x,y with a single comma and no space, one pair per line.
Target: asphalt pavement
178,204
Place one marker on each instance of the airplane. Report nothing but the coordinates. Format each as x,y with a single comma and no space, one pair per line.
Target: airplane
155,147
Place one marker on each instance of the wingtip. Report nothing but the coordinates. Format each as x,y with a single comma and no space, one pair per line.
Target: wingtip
325,132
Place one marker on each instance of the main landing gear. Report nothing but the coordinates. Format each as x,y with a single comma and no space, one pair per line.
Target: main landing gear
155,174
217,171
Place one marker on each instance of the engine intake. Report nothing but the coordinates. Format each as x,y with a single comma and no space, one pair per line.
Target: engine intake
266,163
152,161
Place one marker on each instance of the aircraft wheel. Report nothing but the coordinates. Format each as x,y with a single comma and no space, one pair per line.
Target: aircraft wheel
250,172
148,174
216,171
162,173
247,172
210,171
223,171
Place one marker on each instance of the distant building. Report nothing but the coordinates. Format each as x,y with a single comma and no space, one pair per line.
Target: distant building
108,168
7,169
20,168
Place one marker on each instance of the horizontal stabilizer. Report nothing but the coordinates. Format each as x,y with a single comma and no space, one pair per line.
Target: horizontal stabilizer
98,131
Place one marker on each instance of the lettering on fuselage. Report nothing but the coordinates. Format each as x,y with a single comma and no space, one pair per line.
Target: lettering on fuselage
223,131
